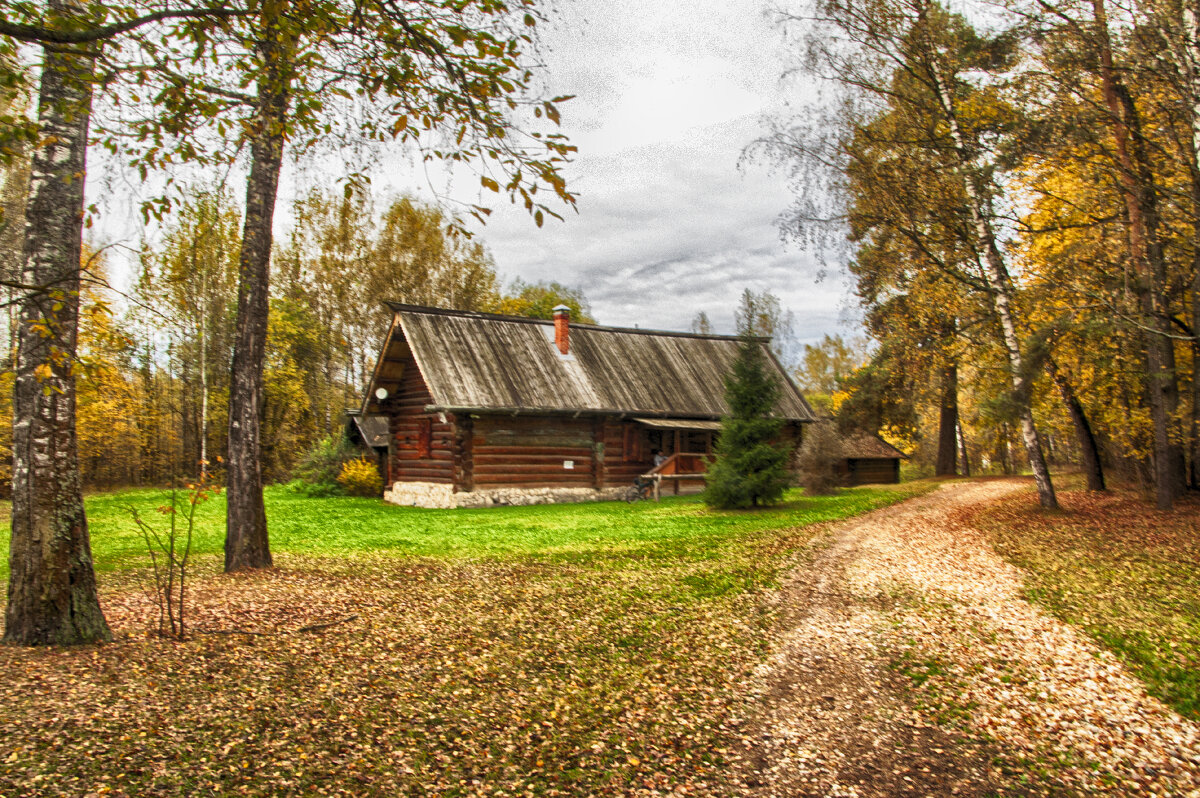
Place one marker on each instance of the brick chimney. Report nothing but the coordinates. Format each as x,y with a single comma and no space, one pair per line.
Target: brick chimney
562,328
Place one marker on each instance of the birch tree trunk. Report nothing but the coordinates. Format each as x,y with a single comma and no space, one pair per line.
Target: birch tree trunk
1001,290
204,381
246,541
52,585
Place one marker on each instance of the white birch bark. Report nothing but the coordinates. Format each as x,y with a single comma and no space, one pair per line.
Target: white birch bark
52,595
1000,283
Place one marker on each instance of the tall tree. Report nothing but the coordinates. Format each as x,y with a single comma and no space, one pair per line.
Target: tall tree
1081,48
935,34
52,592
52,585
442,76
915,273
1177,25
188,281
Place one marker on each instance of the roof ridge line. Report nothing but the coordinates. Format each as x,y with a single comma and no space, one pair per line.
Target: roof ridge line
401,307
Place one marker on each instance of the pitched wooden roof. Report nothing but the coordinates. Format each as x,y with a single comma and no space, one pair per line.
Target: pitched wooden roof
486,362
863,446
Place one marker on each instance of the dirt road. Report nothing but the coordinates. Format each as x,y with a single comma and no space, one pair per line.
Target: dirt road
907,663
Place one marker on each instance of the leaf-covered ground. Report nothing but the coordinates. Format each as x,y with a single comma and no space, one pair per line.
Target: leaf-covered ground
653,649
1125,572
594,649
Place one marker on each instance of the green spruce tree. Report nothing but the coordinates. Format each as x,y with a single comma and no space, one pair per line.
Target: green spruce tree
751,466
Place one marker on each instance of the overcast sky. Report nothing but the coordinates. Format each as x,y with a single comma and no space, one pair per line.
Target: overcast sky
667,96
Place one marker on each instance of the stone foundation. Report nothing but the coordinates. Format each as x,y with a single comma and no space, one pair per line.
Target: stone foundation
431,495
439,496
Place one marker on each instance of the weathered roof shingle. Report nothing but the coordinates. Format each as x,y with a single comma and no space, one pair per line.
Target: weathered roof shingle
481,361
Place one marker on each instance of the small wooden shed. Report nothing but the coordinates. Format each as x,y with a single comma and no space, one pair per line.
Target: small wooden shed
867,460
516,410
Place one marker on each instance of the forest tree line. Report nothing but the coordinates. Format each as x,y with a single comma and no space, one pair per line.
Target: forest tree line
1020,187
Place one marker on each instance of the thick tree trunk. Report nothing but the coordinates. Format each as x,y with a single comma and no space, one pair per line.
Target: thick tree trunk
246,541
1136,177
52,585
1001,289
1089,452
1184,48
948,423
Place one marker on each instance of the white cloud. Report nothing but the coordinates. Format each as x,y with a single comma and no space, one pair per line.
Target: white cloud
668,96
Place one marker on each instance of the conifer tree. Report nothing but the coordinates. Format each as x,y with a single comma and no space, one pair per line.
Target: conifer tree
751,466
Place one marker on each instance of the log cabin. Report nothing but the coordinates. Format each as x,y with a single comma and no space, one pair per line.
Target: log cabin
486,409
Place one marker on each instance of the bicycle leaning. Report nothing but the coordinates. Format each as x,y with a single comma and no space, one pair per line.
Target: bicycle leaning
642,488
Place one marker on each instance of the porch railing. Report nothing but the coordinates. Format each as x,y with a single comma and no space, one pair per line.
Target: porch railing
679,467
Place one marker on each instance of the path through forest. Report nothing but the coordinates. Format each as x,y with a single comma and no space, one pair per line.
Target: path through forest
907,663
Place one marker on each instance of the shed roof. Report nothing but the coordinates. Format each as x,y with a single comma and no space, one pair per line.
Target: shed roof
864,446
371,430
486,362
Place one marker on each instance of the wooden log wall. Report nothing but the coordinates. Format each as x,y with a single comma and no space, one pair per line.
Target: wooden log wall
874,471
422,444
529,451
486,451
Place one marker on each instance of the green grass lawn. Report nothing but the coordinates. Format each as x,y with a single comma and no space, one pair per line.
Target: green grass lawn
678,527
586,649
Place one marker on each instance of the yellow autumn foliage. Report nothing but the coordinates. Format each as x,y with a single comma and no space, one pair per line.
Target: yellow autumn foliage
360,477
